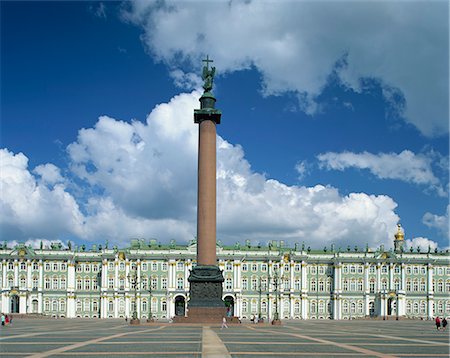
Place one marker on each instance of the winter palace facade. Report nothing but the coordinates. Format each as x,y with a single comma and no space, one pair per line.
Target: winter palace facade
296,283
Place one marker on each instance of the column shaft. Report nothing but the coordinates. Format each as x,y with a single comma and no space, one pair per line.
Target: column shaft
206,210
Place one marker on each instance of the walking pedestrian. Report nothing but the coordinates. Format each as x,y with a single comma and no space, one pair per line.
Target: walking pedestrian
6,319
224,323
444,323
3,319
438,323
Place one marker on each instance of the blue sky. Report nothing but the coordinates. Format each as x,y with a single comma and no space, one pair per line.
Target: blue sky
334,127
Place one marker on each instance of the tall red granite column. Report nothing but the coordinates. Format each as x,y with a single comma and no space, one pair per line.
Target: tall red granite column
206,279
206,200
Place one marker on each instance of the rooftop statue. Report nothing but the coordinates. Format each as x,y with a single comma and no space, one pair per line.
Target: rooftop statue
208,75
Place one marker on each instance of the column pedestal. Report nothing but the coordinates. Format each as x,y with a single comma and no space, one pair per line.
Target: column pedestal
206,304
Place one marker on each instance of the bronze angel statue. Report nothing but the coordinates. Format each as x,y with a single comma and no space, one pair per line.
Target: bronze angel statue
208,75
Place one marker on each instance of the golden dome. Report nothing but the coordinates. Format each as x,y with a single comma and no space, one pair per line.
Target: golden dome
399,235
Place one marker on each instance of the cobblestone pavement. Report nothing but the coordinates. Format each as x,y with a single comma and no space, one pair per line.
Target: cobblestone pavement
94,338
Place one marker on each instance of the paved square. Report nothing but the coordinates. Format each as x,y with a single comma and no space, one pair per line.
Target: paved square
94,338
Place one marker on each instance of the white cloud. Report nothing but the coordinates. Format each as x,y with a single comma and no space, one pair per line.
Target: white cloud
402,45
141,182
302,168
422,242
405,166
438,222
29,209
49,173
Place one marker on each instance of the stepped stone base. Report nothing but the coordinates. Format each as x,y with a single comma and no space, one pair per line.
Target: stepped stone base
203,315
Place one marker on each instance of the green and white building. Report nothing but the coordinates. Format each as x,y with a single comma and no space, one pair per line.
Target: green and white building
295,282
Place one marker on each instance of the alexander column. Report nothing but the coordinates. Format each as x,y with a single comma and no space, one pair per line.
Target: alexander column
206,279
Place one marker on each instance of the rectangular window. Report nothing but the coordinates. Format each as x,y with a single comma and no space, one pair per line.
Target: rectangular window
144,267
180,266
111,282
164,266
264,267
155,266
244,267
164,283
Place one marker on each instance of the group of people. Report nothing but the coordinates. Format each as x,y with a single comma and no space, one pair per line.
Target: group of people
6,319
441,324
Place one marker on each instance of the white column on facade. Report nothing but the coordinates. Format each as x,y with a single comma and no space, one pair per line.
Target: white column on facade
366,289
304,290
41,275
291,267
29,278
4,280
238,268
171,275
70,289
378,282
103,289
403,278
391,276
116,306
187,264
430,291
22,302
16,273
40,303
127,305
116,272
337,291
40,284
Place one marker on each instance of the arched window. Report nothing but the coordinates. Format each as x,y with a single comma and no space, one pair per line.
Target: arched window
408,307
372,285
180,283
416,308
228,284
244,283
352,307
154,283
422,307
313,307
264,306
360,307
328,285
163,306
63,283
286,284
297,284
415,285
55,283
254,306
313,285
321,307
345,307
286,307
296,307
95,306
360,285
144,306
321,285
55,306
23,283
78,306
440,286
345,285
46,305
87,283
47,283
244,306
79,283
408,285
397,284
35,282
110,305
384,284
62,305
254,283
447,286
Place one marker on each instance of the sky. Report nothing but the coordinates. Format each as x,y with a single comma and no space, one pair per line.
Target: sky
335,121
